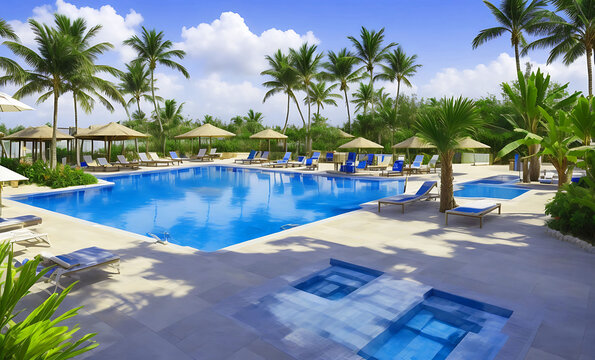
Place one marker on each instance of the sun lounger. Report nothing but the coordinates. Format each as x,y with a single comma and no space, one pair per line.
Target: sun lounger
153,156
174,156
383,163
432,164
397,169
548,177
329,157
416,166
213,154
349,166
201,156
125,164
312,163
280,163
476,209
75,262
248,159
362,165
19,222
422,194
301,161
23,236
144,160
259,158
103,165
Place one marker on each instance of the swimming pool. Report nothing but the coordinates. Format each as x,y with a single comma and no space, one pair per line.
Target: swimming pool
212,207
494,187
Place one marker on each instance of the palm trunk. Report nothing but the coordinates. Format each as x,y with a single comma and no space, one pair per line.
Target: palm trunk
562,169
517,58
157,115
526,177
372,89
447,200
348,114
77,150
300,111
308,140
146,139
535,165
590,72
287,114
54,155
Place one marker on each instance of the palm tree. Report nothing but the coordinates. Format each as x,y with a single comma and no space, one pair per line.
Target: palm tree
83,84
363,97
442,127
370,51
322,95
253,121
340,69
305,61
400,67
153,50
7,64
6,30
171,116
284,79
573,37
55,60
516,17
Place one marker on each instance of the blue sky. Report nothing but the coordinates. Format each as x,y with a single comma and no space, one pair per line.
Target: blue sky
226,42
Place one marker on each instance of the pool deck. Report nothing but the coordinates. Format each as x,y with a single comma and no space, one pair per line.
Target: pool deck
173,302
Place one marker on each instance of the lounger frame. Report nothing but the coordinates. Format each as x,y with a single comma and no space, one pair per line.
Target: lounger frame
426,197
479,215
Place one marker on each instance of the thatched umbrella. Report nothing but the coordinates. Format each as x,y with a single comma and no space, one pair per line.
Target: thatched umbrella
413,143
38,134
345,135
110,132
468,143
269,134
206,130
361,143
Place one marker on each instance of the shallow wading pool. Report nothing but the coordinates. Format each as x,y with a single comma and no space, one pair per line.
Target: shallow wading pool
212,207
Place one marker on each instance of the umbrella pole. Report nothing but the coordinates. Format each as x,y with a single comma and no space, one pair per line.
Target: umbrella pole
20,143
10,149
109,150
3,149
269,145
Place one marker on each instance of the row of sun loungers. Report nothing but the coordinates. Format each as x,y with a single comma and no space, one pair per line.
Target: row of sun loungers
476,209
15,230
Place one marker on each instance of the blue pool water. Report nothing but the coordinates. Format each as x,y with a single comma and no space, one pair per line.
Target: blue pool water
212,207
338,280
496,187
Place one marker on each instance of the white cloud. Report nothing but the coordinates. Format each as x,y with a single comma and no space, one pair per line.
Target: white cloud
116,28
228,45
486,79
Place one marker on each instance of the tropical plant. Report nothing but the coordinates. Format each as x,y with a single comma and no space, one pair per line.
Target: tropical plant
136,82
388,115
340,68
171,118
321,95
534,92
306,62
399,68
6,31
83,83
516,17
152,50
41,334
284,79
572,37
363,97
253,121
55,60
370,51
582,117
442,126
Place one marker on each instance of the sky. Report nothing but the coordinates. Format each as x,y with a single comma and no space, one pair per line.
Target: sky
226,42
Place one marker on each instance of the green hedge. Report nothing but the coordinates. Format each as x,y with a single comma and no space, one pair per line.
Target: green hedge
39,173
573,211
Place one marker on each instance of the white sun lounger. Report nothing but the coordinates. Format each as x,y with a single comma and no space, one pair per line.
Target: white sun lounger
19,222
476,209
24,236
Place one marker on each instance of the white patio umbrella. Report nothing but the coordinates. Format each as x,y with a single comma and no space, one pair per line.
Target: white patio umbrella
10,104
8,175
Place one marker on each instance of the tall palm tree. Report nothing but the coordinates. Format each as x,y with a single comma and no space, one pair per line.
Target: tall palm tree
284,79
572,37
152,49
340,68
370,51
51,65
399,68
442,127
363,97
83,83
6,31
306,62
517,18
321,95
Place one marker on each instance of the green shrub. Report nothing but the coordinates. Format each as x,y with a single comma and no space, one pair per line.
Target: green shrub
39,173
573,211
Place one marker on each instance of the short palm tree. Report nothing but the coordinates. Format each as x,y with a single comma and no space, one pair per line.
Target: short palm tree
83,83
283,79
152,49
572,37
171,116
517,17
370,51
340,68
442,127
51,65
306,62
399,68
253,121
363,97
321,95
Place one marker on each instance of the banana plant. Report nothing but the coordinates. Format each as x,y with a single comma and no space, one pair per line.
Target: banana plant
41,335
